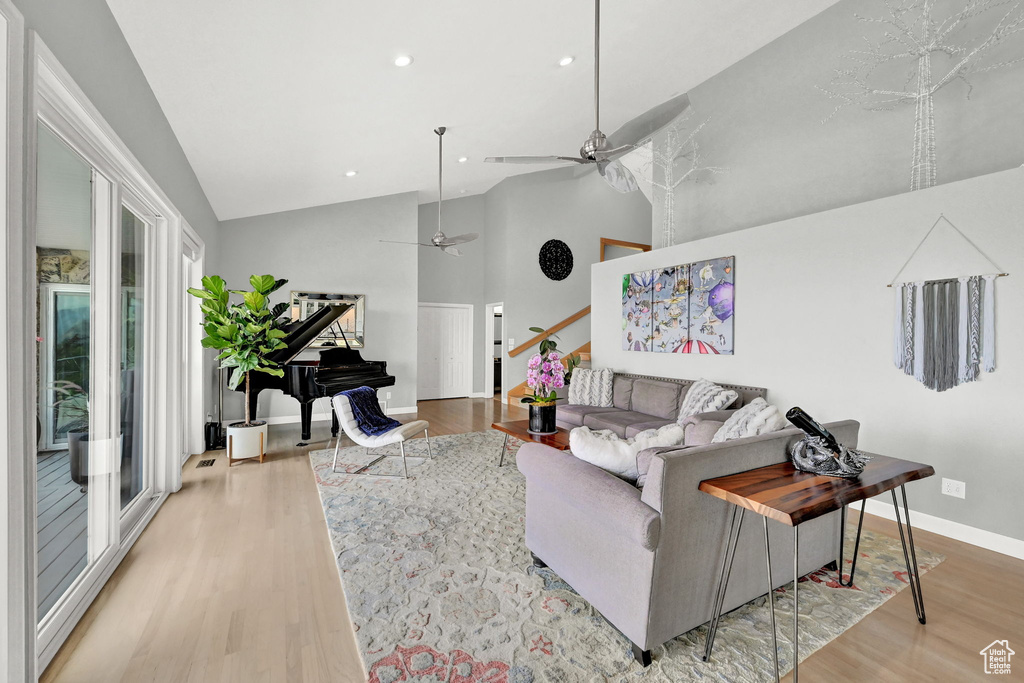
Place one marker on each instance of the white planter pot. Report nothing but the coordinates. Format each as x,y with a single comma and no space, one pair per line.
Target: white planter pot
245,443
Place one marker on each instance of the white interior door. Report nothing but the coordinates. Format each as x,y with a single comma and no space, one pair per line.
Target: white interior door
445,351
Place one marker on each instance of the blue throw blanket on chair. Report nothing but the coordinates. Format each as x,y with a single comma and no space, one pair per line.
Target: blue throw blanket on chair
370,419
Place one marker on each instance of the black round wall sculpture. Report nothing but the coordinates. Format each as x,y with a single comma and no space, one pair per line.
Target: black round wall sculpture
556,259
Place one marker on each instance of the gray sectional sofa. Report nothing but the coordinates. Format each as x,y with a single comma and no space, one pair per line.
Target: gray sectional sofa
644,402
649,559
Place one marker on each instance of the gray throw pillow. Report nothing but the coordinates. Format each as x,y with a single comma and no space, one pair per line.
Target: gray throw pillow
705,396
591,387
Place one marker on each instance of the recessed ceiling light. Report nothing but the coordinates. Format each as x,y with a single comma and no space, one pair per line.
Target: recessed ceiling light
462,192
565,61
403,60
349,174
463,160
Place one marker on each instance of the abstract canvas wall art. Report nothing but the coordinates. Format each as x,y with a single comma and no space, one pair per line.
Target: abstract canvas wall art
670,311
711,307
680,309
637,289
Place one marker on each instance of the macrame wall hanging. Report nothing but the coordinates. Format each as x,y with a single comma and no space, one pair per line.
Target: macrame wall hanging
944,331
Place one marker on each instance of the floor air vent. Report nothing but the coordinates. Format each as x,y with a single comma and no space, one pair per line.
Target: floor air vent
205,463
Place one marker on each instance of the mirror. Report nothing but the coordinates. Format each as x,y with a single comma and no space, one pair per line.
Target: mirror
348,328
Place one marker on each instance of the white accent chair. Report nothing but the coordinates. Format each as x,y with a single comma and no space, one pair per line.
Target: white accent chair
343,409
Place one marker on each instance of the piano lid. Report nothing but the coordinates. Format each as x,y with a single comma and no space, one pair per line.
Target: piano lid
304,332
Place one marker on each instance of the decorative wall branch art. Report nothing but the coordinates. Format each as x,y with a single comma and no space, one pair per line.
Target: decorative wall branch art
680,309
936,51
665,165
944,330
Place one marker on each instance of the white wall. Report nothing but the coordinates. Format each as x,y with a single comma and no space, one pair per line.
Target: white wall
336,248
814,325
447,279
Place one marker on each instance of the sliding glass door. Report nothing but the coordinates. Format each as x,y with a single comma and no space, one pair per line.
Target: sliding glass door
94,251
68,481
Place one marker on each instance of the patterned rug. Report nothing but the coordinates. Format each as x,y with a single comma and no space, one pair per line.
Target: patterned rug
440,586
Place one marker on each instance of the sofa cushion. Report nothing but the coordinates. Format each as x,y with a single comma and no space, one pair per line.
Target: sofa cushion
591,387
651,397
574,415
634,429
703,396
622,392
615,420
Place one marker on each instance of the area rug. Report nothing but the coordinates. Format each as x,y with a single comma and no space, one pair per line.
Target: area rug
440,586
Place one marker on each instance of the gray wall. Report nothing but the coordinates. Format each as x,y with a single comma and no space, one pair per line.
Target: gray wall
523,212
89,44
449,279
783,162
336,248
814,325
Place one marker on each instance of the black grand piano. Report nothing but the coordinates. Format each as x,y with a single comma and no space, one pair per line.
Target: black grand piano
338,369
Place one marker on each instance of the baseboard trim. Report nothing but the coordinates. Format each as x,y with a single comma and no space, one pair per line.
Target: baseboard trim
955,530
478,394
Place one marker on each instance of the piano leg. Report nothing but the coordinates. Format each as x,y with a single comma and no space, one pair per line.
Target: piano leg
306,410
334,424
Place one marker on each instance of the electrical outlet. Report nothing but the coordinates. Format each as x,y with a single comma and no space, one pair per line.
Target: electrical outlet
387,395
952,487
511,343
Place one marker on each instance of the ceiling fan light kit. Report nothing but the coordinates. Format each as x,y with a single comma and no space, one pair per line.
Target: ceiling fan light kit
440,240
602,150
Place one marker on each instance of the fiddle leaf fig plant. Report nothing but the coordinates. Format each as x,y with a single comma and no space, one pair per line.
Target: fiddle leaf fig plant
245,333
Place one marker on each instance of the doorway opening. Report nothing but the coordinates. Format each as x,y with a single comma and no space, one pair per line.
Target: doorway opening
493,348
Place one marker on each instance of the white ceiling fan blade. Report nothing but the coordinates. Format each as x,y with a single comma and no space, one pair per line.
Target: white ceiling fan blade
417,244
648,123
452,250
534,160
618,176
460,239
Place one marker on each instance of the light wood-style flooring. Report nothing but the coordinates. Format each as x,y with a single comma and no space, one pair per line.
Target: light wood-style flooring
234,580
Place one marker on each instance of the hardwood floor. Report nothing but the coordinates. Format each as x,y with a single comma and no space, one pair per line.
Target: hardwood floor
234,580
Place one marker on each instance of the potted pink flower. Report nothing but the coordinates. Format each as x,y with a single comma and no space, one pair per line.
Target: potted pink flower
544,375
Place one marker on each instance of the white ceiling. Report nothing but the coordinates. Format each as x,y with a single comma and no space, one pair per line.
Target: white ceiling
273,101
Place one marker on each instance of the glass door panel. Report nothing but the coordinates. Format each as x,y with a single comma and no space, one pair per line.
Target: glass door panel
134,466
64,238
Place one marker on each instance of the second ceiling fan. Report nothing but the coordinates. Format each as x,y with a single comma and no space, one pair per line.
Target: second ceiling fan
603,150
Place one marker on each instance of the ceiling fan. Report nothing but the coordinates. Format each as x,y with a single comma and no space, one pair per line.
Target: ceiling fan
440,240
601,149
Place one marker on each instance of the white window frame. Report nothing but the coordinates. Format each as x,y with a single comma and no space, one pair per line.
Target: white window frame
17,355
57,102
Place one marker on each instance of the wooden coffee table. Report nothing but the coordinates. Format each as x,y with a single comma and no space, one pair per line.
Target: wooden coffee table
520,429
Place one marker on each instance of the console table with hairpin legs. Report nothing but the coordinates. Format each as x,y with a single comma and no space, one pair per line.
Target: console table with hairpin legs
787,495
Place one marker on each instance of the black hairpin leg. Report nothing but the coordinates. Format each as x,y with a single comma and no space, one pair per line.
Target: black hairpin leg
771,599
913,577
796,604
856,545
504,445
723,580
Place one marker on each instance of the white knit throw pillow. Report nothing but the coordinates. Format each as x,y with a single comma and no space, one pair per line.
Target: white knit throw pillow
705,396
757,417
605,449
591,387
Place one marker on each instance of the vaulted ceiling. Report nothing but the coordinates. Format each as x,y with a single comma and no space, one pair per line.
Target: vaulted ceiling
273,102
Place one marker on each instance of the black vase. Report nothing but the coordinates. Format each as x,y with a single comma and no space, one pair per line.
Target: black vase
542,419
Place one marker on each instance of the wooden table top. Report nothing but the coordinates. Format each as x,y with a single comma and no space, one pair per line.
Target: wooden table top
792,497
520,429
